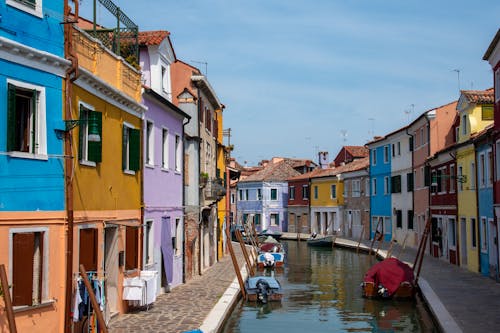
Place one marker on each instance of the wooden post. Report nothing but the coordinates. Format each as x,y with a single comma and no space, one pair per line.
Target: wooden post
236,268
402,246
422,253
360,238
374,236
93,301
421,246
6,297
251,271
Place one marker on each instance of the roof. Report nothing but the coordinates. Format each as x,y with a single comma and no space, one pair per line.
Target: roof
152,37
492,46
479,96
280,171
357,151
355,165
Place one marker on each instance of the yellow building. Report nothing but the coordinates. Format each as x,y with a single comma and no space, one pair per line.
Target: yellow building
222,159
327,201
473,118
105,184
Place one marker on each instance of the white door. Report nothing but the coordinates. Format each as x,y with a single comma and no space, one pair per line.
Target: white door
111,270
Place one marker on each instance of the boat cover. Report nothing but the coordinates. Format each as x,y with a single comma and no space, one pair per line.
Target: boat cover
389,273
273,283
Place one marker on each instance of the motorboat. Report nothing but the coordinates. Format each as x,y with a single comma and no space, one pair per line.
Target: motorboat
320,240
271,254
263,289
390,278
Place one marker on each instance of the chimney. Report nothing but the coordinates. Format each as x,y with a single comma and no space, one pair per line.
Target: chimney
323,159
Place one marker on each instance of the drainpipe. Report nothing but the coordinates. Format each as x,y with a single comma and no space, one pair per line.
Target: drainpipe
412,173
71,75
184,220
198,177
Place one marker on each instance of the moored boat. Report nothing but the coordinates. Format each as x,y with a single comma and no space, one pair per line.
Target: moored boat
320,240
271,254
263,289
390,278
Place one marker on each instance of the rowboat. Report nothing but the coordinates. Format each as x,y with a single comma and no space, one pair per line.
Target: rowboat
263,289
320,240
271,254
390,278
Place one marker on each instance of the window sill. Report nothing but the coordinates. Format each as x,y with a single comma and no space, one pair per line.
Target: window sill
165,169
129,172
24,308
88,163
19,154
149,166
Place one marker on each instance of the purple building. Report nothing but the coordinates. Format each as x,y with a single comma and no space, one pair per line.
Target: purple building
163,227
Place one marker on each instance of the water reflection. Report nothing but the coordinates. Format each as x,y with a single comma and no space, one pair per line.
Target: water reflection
322,294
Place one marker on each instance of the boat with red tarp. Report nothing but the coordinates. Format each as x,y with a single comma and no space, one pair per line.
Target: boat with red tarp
390,278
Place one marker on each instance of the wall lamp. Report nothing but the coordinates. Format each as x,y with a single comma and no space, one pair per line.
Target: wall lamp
90,125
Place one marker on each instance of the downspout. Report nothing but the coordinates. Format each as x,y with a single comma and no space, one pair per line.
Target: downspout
198,177
412,173
71,75
426,165
184,220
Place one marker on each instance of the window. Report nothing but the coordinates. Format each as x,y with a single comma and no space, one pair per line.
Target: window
409,182
422,136
410,219
333,191
472,176
386,185
274,194
275,219
247,197
149,144
165,81
356,188
259,194
367,187
164,149
434,183
131,149
484,241
393,150
178,237
374,186
490,168
26,123
245,218
240,195
305,192
427,175
473,233
487,112
396,184
482,171
452,178
208,119
148,243
257,219
460,178
386,154
399,219
399,148
178,153
232,198
497,84
464,124
33,7
374,156
315,192
442,179
410,143
90,134
452,232
28,256
291,193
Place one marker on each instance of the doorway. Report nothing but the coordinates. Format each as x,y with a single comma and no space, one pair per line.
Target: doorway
111,270
463,242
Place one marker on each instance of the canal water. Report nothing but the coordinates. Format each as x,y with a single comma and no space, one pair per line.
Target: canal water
322,294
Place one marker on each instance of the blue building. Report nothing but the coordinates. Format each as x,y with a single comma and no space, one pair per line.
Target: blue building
262,198
380,188
32,200
484,181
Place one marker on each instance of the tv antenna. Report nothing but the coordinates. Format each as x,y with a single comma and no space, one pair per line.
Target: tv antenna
203,63
458,77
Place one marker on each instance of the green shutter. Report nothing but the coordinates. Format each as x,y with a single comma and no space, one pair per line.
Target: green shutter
34,128
95,148
135,149
427,176
11,118
124,147
80,134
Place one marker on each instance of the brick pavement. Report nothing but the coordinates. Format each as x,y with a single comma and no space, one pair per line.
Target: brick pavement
185,307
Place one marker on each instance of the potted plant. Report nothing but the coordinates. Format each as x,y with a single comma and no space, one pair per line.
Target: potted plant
203,179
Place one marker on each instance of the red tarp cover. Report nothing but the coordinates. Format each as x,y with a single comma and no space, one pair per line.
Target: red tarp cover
270,247
390,273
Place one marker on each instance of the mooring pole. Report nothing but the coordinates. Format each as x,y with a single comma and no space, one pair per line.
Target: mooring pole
235,265
7,300
251,272
93,300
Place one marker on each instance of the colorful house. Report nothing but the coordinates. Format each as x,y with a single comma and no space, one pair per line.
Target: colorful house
443,204
484,180
431,132
350,153
263,196
327,201
380,199
492,55
163,164
298,203
32,210
474,111
104,140
356,219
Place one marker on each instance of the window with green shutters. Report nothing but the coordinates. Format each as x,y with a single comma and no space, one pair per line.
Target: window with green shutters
33,7
131,149
487,112
90,121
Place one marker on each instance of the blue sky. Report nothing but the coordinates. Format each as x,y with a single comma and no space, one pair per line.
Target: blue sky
302,76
